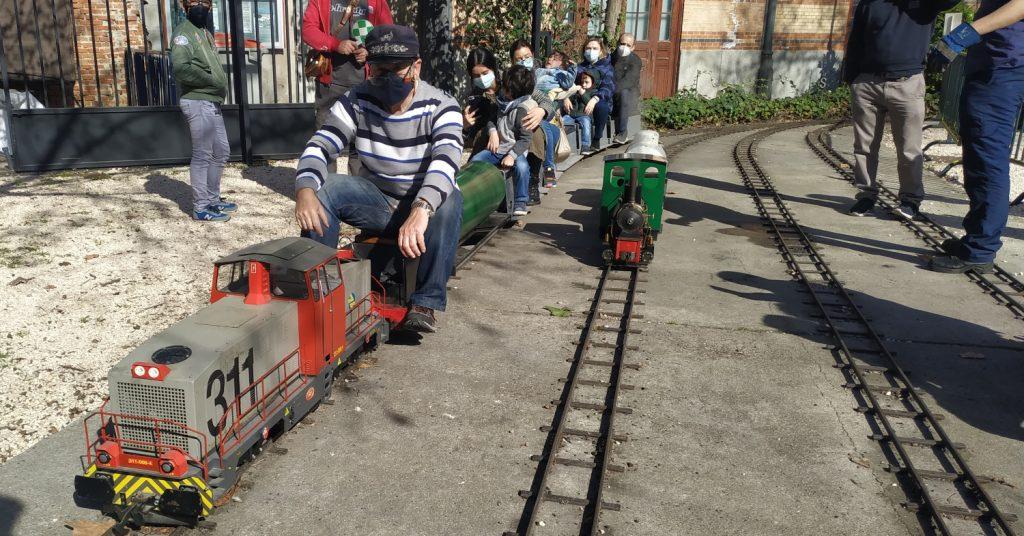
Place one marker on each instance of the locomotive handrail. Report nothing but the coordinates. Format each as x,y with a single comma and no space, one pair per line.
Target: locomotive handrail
156,445
260,405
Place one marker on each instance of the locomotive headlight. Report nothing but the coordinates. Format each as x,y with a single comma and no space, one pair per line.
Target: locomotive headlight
103,457
167,467
153,373
139,370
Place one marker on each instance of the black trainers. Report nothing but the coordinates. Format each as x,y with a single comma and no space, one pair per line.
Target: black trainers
862,206
420,319
950,264
951,246
534,195
908,210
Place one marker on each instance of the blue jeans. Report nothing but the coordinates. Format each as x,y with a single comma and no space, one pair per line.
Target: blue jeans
601,113
520,173
585,124
988,109
357,202
551,136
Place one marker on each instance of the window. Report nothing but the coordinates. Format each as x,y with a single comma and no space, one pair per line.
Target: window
664,34
638,17
333,275
233,277
596,17
285,283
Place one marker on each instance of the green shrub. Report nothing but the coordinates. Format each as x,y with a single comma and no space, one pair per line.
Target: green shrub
736,104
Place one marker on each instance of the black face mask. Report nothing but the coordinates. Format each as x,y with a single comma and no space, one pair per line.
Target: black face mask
391,88
197,15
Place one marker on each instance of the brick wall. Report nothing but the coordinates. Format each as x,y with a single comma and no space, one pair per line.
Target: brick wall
105,30
737,24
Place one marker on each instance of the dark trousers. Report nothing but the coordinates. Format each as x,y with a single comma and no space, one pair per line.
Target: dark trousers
601,113
625,106
988,109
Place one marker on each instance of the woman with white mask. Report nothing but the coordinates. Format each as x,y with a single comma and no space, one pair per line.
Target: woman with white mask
595,57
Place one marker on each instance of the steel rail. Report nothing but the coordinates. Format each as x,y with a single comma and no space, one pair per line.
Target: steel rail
779,217
820,142
594,504
489,230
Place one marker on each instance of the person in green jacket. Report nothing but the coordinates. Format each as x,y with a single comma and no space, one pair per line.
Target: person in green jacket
203,84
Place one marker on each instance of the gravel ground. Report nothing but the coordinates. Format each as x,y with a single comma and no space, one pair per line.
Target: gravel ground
93,262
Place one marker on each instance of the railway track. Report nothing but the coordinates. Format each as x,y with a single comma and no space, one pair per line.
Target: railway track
947,496
577,456
1000,284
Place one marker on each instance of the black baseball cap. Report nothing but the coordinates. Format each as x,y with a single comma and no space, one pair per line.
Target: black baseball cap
389,43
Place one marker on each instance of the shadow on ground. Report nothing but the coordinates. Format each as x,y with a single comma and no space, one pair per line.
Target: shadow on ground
10,511
977,392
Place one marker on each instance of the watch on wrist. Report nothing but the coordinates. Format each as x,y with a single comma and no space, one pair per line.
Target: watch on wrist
424,204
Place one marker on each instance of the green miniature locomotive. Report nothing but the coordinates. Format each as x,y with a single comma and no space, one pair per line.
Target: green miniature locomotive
632,200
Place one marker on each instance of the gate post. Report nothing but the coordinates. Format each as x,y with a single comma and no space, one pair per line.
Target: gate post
434,24
238,59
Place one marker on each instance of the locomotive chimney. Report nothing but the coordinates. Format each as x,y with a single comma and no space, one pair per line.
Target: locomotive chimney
259,284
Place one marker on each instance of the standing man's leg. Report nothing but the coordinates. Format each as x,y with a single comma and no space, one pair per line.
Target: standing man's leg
905,102
201,130
625,107
868,104
221,151
442,240
988,108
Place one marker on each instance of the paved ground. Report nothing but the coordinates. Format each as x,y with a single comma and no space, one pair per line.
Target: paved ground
740,425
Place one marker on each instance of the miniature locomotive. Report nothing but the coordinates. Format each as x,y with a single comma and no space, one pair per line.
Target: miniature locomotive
193,404
632,200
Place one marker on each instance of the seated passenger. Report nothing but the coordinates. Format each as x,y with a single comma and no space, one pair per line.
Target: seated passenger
595,58
522,54
576,109
514,103
557,76
408,135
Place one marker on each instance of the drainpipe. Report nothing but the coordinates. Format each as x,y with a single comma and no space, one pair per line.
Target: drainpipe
535,30
763,85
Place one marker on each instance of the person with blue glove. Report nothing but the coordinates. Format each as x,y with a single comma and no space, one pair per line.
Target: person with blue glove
992,95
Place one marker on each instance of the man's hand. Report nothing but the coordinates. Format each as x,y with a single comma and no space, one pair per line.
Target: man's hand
533,118
309,212
410,236
508,161
361,54
346,47
493,142
469,116
949,47
589,110
567,106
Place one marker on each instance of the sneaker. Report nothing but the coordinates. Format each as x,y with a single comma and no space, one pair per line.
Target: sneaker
951,246
534,196
224,206
950,264
586,150
862,206
520,209
550,178
620,139
420,319
908,210
210,215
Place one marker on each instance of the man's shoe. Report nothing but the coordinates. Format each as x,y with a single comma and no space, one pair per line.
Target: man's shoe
950,264
951,246
586,150
534,195
210,215
520,210
908,210
862,206
223,206
550,178
420,319
620,139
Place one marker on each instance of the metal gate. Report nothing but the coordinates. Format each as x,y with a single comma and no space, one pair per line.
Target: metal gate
88,83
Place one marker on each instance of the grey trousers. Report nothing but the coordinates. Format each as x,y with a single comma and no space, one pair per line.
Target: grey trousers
903,102
210,151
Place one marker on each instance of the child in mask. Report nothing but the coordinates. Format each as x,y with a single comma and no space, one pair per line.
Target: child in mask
575,108
513,103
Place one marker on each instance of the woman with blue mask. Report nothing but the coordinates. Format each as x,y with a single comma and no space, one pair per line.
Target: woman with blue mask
522,55
595,57
481,106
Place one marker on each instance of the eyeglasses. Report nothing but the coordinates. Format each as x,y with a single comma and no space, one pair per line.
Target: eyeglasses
382,69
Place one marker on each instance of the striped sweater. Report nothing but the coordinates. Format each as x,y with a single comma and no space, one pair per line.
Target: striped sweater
407,155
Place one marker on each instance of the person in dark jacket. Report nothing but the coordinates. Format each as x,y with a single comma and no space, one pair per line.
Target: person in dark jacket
884,65
993,93
627,86
595,58
203,84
